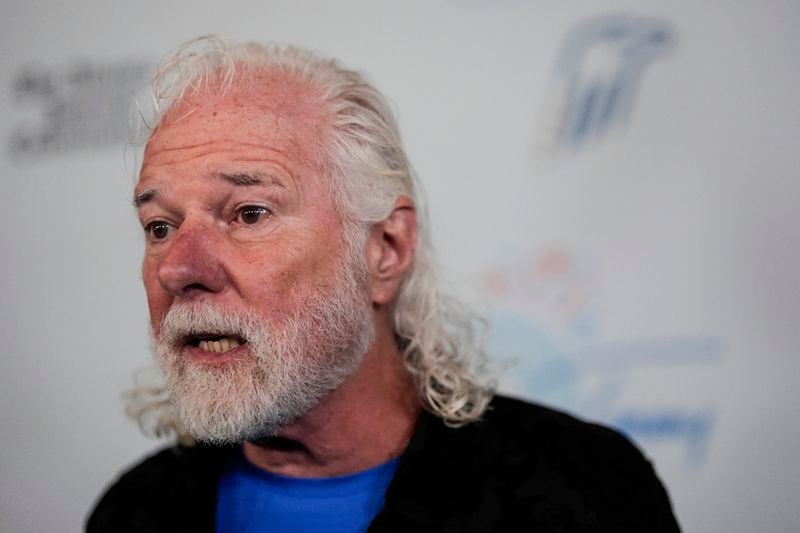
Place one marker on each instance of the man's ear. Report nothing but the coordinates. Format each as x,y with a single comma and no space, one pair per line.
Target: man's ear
390,250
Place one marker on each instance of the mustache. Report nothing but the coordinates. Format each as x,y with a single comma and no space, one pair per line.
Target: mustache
185,321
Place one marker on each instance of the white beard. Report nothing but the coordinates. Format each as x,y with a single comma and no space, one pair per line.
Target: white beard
289,368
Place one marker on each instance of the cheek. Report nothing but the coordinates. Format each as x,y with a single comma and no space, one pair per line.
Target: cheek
288,277
270,285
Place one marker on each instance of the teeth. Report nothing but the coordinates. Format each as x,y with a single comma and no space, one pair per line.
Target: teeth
220,346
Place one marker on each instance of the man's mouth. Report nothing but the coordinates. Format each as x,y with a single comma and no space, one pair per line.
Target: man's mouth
214,343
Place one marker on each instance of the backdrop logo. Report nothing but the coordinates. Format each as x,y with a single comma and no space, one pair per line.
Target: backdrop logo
82,105
597,76
545,321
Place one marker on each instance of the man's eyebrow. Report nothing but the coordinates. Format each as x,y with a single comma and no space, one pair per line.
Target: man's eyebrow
248,178
143,197
236,178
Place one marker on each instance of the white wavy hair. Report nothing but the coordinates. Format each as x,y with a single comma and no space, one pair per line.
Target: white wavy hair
367,168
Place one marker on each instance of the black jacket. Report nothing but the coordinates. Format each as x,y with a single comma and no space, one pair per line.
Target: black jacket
522,467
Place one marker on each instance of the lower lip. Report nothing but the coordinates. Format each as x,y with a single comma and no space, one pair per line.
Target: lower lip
214,358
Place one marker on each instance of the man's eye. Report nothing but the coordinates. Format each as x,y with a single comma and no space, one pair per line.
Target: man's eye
252,214
158,230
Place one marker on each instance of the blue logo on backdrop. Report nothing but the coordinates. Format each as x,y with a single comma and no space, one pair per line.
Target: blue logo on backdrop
597,76
545,321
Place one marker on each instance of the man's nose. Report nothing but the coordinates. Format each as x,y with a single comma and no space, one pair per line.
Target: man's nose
192,266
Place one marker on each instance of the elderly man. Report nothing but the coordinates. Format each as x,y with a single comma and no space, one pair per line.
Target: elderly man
325,381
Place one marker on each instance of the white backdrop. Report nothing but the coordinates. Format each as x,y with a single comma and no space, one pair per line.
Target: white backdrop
613,182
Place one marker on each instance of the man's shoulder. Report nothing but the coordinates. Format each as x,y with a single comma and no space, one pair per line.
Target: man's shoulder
553,433
595,471
147,496
583,457
524,463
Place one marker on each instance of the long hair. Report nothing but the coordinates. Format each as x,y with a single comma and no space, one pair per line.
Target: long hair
367,170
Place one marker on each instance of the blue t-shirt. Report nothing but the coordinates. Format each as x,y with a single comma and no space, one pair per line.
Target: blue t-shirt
252,500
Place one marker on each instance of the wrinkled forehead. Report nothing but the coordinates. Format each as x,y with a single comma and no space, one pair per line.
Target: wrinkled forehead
267,108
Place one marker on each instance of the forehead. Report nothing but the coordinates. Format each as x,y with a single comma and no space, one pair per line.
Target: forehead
268,112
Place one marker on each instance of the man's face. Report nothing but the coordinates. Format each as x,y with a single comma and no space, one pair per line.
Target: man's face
255,312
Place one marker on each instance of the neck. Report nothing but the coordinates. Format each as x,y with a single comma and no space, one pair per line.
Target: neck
365,422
